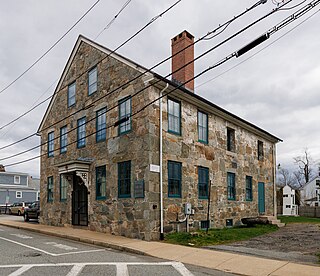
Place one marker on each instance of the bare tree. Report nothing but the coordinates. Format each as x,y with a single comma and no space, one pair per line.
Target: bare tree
284,177
304,163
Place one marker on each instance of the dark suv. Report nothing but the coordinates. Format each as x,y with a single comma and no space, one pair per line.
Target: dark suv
32,212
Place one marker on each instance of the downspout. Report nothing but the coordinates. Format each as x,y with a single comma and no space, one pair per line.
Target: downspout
274,183
160,165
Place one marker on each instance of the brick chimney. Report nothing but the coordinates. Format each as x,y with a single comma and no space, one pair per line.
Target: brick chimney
179,43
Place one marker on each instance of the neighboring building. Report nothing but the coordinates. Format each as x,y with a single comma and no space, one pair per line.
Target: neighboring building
310,193
15,187
289,207
107,170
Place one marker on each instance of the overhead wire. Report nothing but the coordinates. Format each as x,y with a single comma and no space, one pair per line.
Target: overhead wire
113,19
148,70
139,91
46,52
112,52
259,51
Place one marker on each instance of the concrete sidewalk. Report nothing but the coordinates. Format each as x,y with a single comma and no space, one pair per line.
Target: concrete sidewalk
223,261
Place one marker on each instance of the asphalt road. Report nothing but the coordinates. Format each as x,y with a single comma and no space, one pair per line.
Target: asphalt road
29,253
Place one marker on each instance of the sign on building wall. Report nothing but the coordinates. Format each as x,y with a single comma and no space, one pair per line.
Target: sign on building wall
139,188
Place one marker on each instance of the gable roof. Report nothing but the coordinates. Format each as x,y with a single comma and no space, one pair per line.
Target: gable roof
74,51
215,109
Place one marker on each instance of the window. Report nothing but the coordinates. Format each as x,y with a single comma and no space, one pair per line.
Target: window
50,189
92,80
50,144
38,196
231,140
72,94
248,188
101,125
124,179
260,150
18,194
229,222
63,139
174,117
125,112
204,224
203,181
288,206
285,195
101,182
203,127
174,179
231,178
81,132
63,188
16,179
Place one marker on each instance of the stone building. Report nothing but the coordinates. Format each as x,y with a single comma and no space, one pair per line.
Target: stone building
105,166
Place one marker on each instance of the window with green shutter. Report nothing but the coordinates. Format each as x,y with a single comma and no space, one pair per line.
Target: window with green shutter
203,181
231,178
101,182
248,188
174,179
124,179
50,189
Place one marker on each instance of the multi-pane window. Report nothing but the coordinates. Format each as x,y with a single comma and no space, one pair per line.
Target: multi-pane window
18,194
101,182
174,179
72,94
203,127
125,112
50,189
174,117
231,140
16,179
231,179
50,143
81,132
101,125
124,179
203,182
63,139
260,150
63,188
248,188
92,80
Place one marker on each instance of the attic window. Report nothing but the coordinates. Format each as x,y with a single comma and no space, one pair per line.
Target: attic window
16,179
231,140
72,94
260,150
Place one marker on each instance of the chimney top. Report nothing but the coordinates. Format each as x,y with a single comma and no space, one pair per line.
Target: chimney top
182,61
2,168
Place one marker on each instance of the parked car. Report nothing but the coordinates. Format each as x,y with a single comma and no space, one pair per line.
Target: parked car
18,208
32,212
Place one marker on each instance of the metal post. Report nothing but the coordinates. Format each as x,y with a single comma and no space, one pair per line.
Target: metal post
208,213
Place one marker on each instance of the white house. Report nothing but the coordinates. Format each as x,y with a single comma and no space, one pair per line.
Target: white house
289,207
310,193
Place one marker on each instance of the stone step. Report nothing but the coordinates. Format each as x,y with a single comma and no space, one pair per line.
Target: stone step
281,224
274,221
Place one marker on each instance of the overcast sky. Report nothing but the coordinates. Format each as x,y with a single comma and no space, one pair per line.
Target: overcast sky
276,89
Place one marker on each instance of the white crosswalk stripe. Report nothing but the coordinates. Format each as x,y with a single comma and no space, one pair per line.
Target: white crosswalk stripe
121,267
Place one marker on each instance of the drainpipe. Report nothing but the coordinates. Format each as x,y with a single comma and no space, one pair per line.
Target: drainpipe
160,165
274,183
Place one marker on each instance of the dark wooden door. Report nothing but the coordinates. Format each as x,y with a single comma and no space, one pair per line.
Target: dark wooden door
79,203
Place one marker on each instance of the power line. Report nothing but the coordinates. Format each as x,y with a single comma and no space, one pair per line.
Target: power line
139,91
113,19
46,52
256,53
148,70
112,52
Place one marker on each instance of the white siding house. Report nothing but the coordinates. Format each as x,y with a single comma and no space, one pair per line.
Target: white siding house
310,193
289,207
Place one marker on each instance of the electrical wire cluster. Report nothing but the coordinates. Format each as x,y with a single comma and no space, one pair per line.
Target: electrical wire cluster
270,32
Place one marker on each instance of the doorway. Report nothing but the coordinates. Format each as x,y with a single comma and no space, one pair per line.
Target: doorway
261,198
79,202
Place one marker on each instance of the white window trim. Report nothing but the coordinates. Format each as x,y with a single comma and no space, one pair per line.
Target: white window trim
16,177
19,193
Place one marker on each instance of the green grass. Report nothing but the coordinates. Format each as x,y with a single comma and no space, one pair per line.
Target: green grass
219,236
291,219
